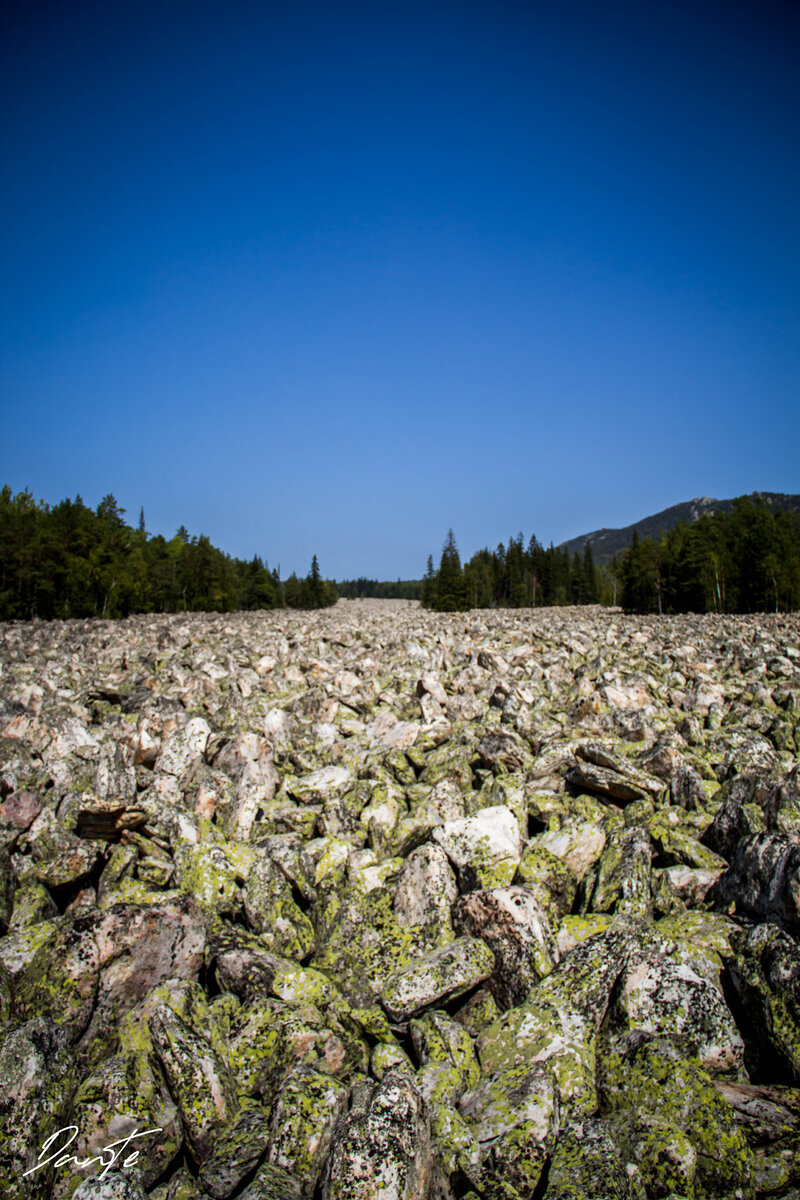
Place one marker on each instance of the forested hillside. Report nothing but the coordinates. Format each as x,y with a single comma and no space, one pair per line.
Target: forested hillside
747,560
608,544
70,560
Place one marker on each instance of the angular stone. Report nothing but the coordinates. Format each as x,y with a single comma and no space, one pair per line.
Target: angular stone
442,974
200,1083
517,931
382,1147
484,848
304,1116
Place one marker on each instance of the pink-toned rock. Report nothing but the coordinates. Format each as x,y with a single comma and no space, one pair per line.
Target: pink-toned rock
21,809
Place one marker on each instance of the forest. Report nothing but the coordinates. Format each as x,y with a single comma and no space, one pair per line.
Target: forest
70,560
747,560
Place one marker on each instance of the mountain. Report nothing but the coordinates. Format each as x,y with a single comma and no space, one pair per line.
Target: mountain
606,543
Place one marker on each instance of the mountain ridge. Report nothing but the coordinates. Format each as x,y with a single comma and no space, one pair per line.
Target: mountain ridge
606,543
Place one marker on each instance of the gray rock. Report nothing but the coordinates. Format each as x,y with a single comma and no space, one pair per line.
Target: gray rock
517,931
36,1080
116,1185
766,974
382,1147
763,879
442,974
200,1083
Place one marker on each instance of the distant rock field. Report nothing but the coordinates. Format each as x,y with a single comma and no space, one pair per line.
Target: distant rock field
380,904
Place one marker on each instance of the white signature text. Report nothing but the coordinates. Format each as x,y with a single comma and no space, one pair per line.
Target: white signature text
106,1158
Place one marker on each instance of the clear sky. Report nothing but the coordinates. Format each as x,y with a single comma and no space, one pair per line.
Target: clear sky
329,278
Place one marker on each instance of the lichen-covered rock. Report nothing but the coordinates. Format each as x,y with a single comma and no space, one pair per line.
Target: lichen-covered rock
439,1038
622,880
36,1081
253,821
426,890
484,848
515,1117
577,842
558,1023
766,974
272,911
272,1183
654,1076
588,1161
549,878
382,1147
763,879
664,993
442,974
199,1081
214,874
360,940
517,931
122,1097
269,1037
52,968
304,1116
665,1158
116,1185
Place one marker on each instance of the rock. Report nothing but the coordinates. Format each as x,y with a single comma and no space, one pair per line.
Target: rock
241,964
255,827
200,1083
426,890
272,912
442,974
766,974
651,1077
36,1067
21,809
549,879
515,1117
664,994
589,1161
382,1147
438,1038
116,1185
484,848
622,880
304,1116
558,1023
517,931
272,1183
763,879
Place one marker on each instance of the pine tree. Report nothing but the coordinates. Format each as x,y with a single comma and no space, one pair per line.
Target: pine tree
451,593
428,595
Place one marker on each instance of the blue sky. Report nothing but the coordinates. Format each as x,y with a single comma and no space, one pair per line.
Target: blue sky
332,278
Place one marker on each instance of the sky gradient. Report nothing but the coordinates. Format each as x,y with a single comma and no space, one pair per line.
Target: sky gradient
332,278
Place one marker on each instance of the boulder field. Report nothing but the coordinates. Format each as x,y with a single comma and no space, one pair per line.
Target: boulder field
380,904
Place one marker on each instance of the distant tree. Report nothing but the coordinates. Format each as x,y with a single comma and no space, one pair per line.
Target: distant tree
451,593
428,585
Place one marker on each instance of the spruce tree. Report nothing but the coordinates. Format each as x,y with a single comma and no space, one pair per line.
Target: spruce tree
451,593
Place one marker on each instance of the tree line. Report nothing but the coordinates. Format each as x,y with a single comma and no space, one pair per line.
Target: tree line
70,560
511,576
361,589
747,560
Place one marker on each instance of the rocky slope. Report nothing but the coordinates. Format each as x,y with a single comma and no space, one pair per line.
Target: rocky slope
380,902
